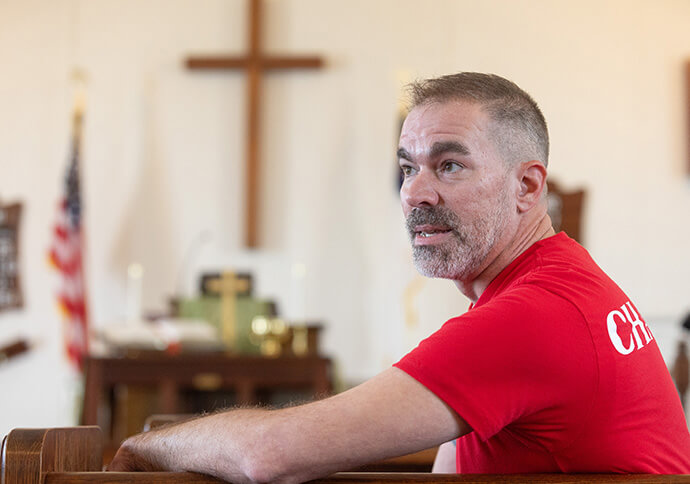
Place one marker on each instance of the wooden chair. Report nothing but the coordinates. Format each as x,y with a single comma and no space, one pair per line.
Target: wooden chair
73,456
566,210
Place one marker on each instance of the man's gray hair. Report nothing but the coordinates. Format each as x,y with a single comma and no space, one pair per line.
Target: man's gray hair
519,128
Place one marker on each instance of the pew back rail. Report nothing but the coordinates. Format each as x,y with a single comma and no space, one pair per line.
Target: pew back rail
74,456
29,454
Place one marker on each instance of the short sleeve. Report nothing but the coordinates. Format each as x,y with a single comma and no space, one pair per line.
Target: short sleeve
525,359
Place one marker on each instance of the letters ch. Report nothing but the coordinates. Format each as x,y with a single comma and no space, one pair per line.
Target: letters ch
627,314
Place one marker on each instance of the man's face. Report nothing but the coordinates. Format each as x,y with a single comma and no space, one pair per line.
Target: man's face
456,194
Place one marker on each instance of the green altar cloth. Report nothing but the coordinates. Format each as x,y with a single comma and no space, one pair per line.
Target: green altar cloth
209,309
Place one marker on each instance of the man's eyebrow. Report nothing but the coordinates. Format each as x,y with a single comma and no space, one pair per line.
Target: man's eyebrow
404,155
448,147
438,148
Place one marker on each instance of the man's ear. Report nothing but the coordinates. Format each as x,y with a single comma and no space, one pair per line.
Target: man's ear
532,179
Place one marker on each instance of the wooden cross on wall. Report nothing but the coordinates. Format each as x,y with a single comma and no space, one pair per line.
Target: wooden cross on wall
254,62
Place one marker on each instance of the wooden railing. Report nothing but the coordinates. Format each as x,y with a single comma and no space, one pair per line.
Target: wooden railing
74,456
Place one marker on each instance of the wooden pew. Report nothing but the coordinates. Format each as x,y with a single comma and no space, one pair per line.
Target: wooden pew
73,456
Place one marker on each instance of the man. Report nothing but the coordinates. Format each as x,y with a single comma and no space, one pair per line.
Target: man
552,369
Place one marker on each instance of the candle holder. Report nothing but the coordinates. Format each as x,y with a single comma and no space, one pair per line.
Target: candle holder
269,334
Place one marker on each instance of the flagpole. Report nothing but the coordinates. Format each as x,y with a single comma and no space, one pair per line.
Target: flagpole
67,249
79,78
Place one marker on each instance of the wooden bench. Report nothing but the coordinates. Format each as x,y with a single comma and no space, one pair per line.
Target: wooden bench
74,456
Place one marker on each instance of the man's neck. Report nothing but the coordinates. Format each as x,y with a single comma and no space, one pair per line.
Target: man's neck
523,239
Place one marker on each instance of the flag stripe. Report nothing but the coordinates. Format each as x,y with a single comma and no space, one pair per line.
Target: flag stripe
65,255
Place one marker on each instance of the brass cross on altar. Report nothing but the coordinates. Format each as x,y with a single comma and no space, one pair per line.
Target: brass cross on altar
255,63
227,286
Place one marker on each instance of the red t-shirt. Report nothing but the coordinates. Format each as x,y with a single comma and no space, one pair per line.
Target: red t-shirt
555,371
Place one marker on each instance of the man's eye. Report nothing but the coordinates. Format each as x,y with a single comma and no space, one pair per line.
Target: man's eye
451,167
407,170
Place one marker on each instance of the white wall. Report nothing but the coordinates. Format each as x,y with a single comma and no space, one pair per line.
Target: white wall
163,150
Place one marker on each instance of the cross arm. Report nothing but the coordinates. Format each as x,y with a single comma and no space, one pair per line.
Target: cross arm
243,62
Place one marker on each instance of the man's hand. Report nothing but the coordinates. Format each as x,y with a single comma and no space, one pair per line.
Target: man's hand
128,460
203,445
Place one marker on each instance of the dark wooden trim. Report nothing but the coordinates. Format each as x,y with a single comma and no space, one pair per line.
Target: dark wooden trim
687,114
428,478
128,477
10,220
369,478
571,210
13,349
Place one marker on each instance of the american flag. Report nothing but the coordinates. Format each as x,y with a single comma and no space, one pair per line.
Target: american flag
66,257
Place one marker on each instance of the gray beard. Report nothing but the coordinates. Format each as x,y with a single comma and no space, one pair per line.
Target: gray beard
463,256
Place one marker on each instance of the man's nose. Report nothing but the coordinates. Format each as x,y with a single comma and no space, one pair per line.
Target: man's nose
419,191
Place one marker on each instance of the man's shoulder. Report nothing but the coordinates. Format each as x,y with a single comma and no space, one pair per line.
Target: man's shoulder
563,267
550,263
555,278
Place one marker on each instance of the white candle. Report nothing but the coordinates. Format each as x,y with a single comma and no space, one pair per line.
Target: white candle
135,275
299,292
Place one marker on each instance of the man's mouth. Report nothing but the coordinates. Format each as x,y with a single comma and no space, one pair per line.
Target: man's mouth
429,229
429,234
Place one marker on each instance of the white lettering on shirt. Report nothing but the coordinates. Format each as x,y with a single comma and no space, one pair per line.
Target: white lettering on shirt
627,314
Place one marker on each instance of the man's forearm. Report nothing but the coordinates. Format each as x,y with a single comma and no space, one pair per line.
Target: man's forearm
388,416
